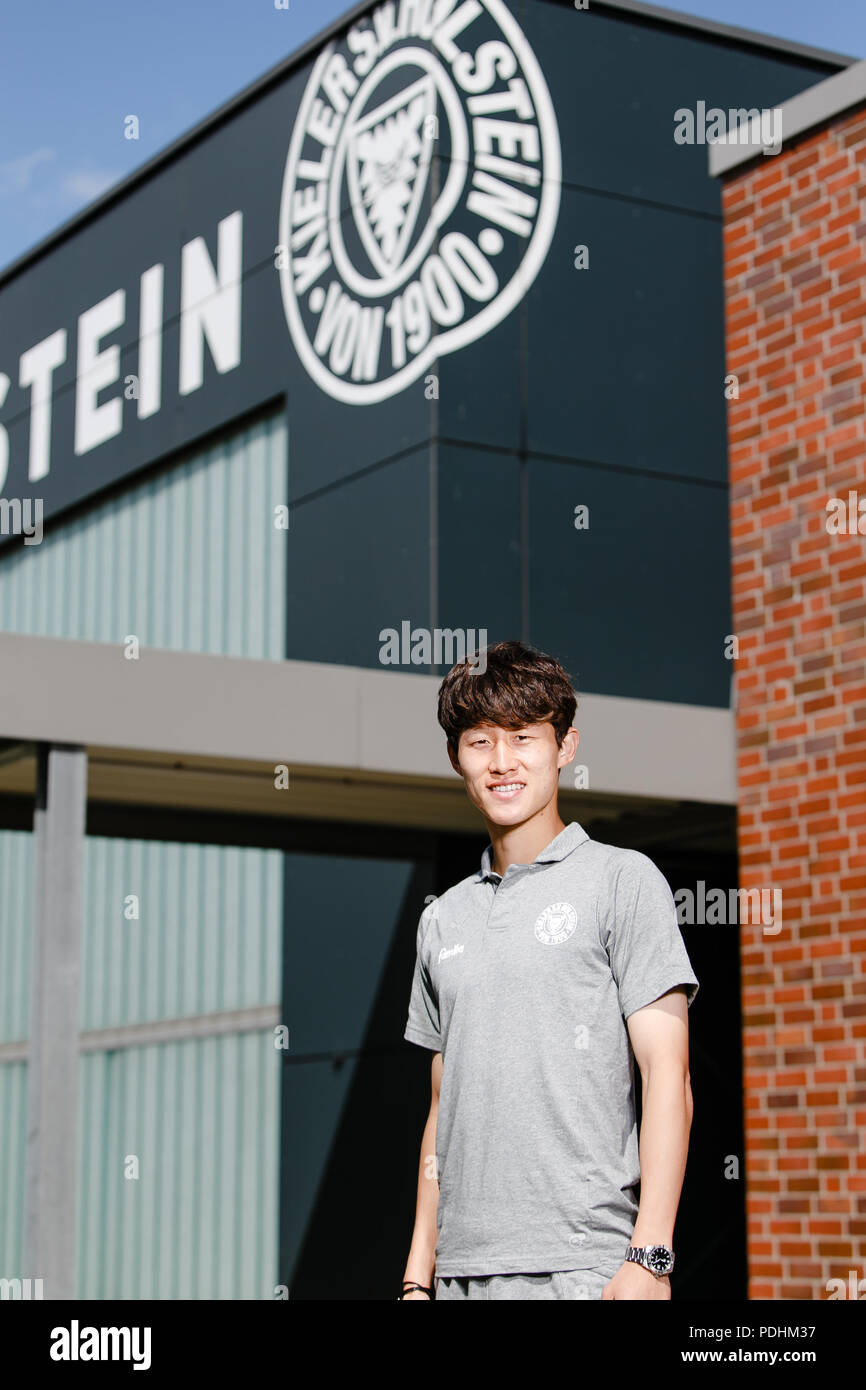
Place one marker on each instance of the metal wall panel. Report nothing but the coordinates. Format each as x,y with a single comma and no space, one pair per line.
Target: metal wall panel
207,938
201,1115
189,559
200,1219
16,911
13,1142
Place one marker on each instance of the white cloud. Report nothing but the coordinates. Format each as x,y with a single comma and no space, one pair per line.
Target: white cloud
83,185
20,176
16,175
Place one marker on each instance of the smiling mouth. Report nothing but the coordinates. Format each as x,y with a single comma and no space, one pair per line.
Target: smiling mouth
506,790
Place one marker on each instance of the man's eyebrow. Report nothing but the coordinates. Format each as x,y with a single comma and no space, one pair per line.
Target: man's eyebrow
487,728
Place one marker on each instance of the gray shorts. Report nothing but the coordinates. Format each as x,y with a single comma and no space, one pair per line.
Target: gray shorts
566,1283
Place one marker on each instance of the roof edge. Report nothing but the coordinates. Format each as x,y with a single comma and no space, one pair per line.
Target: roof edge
808,110
755,37
286,65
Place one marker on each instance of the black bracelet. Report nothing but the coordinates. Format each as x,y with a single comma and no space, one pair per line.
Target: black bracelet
410,1287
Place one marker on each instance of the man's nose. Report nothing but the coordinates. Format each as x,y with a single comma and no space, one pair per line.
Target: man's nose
503,758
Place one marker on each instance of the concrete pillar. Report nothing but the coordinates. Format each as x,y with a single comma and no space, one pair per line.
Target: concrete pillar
52,1074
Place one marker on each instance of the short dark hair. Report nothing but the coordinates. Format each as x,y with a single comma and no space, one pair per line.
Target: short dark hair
519,685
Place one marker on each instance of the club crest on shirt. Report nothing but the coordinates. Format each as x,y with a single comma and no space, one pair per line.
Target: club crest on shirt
556,924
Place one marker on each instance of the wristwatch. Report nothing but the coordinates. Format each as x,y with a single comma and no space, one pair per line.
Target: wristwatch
658,1259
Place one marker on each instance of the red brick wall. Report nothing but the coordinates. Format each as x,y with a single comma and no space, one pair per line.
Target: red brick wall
795,285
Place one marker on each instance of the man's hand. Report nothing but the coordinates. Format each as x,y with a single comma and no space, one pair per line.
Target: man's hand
633,1281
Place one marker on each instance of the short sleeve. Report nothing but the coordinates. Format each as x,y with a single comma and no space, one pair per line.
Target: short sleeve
641,933
423,1026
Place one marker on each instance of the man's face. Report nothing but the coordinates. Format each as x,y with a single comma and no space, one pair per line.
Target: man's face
512,774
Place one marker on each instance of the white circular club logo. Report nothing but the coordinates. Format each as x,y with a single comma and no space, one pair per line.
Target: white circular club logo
556,924
420,193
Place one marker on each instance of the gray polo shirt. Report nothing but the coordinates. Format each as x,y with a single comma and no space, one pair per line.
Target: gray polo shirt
524,983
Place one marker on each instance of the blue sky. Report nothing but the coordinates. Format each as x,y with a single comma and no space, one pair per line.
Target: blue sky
71,72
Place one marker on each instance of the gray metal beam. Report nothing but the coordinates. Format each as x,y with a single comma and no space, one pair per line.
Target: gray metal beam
52,1073
315,714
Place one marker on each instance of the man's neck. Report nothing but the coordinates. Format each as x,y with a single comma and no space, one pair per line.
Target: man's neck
521,844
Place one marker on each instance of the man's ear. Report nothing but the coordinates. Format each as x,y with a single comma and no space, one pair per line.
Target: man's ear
568,747
453,759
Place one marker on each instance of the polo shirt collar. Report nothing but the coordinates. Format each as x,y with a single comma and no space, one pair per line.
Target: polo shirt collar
566,841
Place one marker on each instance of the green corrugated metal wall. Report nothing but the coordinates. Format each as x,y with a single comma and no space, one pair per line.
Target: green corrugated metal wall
202,1114
188,559
16,896
16,893
13,1140
207,938
200,1219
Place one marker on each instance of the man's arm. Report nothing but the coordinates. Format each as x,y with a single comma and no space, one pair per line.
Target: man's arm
422,1252
659,1036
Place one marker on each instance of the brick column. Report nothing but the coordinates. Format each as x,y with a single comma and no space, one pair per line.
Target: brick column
795,262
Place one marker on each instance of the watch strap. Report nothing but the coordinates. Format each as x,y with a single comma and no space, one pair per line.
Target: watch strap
639,1254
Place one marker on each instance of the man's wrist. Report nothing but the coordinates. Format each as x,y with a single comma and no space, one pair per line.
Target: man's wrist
417,1288
655,1236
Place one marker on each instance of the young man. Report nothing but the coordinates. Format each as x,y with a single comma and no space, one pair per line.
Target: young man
538,981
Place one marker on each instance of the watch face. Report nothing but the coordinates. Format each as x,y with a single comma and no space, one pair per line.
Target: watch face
659,1259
